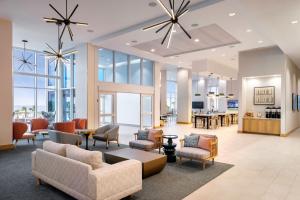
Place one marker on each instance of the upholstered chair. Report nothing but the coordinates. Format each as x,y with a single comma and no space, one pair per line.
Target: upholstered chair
19,132
67,127
107,134
65,138
80,123
147,140
39,125
204,149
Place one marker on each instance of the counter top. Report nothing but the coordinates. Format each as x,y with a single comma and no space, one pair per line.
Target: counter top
261,118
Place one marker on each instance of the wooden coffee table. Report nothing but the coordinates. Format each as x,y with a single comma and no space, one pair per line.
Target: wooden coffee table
152,163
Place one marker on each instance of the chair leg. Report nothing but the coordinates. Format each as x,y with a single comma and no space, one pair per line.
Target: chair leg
213,161
94,143
16,141
38,181
33,140
118,142
28,141
106,144
203,164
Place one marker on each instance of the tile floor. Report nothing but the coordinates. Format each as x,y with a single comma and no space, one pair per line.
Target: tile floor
265,167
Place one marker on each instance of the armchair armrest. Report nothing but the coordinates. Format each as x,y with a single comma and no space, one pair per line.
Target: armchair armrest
181,142
115,179
214,148
112,133
101,130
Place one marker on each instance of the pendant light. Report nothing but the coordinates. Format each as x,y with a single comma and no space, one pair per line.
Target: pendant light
197,94
210,93
230,95
25,61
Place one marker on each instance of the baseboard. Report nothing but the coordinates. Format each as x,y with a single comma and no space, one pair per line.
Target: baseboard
288,133
184,122
7,147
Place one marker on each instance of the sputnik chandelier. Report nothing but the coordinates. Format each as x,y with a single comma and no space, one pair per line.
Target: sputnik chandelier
65,20
175,15
57,55
25,61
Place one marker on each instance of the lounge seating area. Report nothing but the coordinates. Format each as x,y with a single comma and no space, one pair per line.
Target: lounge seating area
149,100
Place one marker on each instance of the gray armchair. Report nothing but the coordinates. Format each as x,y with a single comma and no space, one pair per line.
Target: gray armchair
106,134
65,138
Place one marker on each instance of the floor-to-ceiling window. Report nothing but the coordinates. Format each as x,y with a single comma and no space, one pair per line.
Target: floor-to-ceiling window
39,87
35,85
172,91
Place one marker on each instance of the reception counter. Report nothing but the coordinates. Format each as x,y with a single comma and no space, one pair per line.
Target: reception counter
261,125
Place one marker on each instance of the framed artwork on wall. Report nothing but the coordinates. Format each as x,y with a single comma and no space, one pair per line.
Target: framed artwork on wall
294,102
298,102
264,95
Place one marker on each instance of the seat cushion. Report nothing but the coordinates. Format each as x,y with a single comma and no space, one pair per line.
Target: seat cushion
99,137
194,153
56,148
191,141
28,136
40,131
142,144
93,158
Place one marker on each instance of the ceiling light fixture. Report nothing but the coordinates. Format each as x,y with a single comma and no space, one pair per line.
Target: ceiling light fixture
197,40
213,50
231,14
174,15
152,50
230,95
260,41
127,43
152,4
194,25
294,22
223,55
66,20
25,61
248,30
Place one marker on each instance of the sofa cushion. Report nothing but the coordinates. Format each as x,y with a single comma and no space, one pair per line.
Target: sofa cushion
153,134
93,158
56,148
142,144
204,143
194,153
191,141
143,134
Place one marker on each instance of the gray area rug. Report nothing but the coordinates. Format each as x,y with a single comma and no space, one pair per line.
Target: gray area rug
174,182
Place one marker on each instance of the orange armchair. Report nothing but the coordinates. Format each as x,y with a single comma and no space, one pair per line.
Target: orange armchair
19,132
39,125
80,123
67,127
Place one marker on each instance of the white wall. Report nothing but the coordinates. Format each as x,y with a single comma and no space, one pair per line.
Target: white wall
128,109
6,83
184,95
292,81
251,83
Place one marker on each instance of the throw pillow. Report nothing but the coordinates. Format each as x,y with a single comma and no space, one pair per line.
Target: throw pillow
93,158
204,143
143,134
56,148
153,134
191,141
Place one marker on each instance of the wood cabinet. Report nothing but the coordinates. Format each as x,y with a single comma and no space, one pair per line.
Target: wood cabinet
261,125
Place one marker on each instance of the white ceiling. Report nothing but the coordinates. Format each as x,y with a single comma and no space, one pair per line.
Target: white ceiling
117,22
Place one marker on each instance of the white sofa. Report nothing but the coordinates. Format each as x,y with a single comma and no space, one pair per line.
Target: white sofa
79,180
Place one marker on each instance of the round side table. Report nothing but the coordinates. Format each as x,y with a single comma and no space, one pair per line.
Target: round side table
169,147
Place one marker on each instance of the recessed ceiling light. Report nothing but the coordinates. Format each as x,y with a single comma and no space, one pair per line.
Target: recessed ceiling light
260,41
223,55
134,41
152,50
213,50
127,43
194,25
231,46
197,40
249,30
152,4
90,30
231,14
172,57
294,22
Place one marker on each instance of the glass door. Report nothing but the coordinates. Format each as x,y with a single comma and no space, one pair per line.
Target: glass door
147,111
106,108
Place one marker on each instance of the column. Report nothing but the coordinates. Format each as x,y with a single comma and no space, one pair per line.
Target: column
157,98
6,103
184,95
163,92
